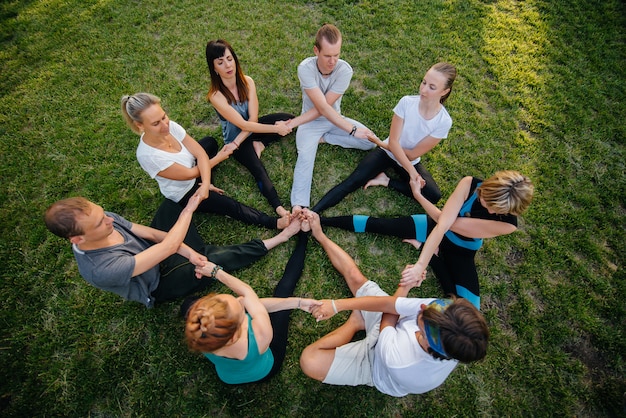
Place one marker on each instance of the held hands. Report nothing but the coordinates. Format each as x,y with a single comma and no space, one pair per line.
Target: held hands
283,127
203,191
227,150
375,140
416,186
312,222
412,276
363,133
197,259
204,269
307,305
323,311
193,202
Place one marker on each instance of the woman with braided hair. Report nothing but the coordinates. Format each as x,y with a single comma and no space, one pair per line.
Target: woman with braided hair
245,336
476,209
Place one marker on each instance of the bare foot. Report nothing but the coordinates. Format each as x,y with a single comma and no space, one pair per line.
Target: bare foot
258,148
356,319
321,141
414,243
292,229
284,221
281,211
305,226
379,180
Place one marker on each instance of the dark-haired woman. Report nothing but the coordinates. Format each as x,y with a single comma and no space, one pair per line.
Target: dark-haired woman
233,95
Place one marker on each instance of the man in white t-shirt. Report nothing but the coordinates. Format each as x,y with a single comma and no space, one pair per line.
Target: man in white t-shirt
411,344
324,79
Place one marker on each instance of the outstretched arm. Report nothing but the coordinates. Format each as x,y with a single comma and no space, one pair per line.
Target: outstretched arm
220,103
344,264
281,304
166,243
413,274
330,307
260,317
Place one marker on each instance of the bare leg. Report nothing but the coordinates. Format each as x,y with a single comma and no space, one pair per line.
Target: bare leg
292,229
259,147
317,358
344,264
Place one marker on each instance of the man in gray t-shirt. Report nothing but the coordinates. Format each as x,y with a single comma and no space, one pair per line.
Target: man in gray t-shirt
324,79
142,263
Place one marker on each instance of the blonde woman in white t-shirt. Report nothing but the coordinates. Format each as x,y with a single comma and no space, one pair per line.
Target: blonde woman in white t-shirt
182,165
419,123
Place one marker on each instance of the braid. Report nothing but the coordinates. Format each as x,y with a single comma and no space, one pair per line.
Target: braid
209,324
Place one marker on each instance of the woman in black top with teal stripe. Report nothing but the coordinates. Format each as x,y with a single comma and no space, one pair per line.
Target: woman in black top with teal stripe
475,210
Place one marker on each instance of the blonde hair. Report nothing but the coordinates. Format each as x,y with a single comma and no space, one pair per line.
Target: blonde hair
133,106
210,324
507,192
449,71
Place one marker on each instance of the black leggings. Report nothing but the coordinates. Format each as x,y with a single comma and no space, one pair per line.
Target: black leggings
249,159
178,276
375,162
284,289
454,266
223,205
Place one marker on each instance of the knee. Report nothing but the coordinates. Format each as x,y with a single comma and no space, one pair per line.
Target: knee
309,363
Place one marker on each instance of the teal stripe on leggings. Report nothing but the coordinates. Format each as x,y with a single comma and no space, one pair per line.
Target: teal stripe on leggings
421,227
472,298
359,222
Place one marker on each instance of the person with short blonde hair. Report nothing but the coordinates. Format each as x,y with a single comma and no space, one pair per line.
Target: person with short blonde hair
477,209
181,165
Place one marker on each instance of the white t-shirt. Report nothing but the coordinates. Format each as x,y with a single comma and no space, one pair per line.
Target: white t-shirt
401,366
310,77
416,128
154,160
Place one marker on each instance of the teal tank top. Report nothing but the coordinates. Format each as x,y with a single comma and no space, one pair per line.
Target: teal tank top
251,369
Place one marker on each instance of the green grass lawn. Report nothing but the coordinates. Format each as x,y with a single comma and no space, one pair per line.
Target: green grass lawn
540,90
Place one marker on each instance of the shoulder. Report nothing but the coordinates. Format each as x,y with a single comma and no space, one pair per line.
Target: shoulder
343,66
250,81
177,130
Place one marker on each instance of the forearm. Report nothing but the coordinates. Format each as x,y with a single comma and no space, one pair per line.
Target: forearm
400,154
306,117
432,210
280,304
368,303
228,280
337,255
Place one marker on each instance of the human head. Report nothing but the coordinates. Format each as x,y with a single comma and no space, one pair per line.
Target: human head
462,330
449,72
61,217
506,192
215,50
330,33
327,48
211,322
133,106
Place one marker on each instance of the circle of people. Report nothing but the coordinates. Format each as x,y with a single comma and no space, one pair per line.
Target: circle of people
411,345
